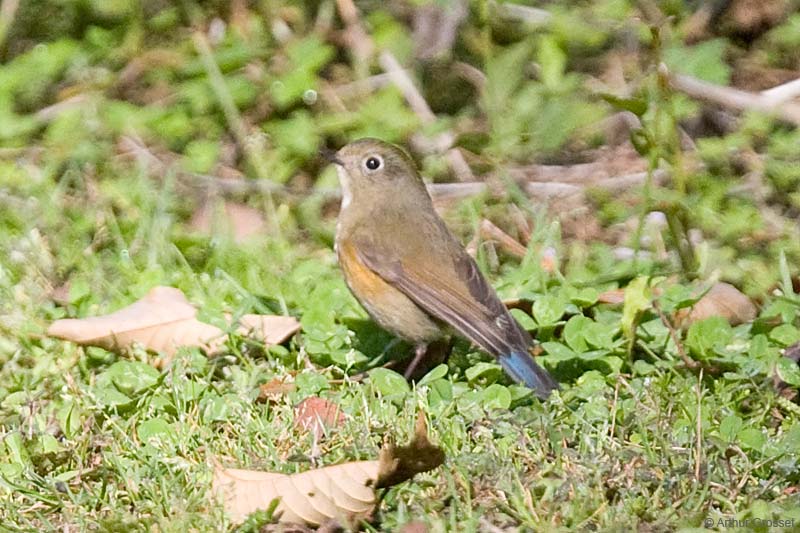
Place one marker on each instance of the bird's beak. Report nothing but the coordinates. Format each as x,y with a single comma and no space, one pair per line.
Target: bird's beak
330,156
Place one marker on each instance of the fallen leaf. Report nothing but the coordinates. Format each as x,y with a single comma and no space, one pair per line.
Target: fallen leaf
723,300
241,220
613,296
274,389
271,329
162,321
415,526
317,414
344,492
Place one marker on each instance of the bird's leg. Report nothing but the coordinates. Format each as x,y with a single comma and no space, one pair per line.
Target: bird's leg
420,351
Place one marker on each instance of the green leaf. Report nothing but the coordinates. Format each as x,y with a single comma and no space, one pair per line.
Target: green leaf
311,383
729,427
496,396
705,60
438,372
548,309
201,155
600,336
752,438
504,73
585,297
638,298
156,432
558,351
440,394
574,332
523,318
552,62
215,408
45,444
637,106
388,382
785,335
132,377
788,371
485,370
69,419
706,335
15,449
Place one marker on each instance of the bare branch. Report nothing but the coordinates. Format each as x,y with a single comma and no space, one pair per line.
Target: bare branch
737,99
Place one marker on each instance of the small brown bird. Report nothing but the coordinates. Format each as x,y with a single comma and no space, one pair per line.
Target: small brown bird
410,272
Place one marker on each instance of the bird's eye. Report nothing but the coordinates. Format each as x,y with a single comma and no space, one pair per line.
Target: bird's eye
373,163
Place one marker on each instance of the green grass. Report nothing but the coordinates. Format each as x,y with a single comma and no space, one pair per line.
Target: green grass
635,440
99,441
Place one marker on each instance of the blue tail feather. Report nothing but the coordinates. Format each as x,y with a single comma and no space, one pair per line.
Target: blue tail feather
523,369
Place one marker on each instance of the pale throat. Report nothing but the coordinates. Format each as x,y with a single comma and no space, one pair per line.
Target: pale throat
344,180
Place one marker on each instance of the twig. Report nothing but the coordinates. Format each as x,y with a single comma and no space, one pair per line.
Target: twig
230,186
421,108
520,13
358,39
400,77
739,100
489,231
8,9
253,154
688,361
46,114
782,93
699,429
521,221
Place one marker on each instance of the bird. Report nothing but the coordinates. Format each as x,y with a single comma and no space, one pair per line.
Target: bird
410,273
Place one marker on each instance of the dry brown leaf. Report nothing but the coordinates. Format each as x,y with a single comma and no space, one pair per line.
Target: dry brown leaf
317,414
415,526
241,220
723,300
163,321
344,492
274,389
613,296
271,329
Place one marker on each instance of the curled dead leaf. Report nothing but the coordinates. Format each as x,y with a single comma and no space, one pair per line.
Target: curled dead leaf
723,299
344,492
340,491
270,329
163,321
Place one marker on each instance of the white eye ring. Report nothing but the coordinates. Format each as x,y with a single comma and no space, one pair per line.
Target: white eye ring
373,163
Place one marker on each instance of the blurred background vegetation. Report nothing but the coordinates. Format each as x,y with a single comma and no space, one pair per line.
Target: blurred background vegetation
573,145
236,98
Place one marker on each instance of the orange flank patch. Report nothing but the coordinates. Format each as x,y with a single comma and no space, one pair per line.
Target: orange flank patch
364,283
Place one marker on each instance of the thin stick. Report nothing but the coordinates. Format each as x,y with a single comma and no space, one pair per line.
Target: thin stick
782,93
400,78
8,9
736,99
491,232
688,361
253,154
421,108
698,457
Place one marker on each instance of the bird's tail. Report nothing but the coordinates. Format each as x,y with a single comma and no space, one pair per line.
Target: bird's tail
523,369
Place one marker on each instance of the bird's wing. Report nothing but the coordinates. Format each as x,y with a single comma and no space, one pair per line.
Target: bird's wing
450,287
